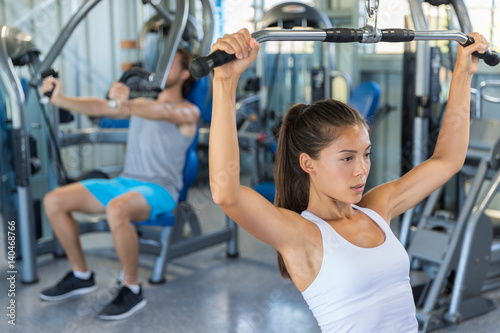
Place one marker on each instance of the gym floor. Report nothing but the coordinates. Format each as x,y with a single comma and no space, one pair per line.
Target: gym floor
205,292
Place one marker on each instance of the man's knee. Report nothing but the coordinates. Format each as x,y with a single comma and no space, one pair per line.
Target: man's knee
116,212
54,202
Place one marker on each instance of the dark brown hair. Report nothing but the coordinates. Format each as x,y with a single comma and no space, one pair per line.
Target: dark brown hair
306,129
186,58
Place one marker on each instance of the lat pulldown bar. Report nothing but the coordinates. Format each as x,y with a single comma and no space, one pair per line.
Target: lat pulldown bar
202,66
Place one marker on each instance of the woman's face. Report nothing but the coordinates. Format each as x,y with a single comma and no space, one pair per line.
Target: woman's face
343,166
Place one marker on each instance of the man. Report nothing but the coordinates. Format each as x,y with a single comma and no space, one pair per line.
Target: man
160,133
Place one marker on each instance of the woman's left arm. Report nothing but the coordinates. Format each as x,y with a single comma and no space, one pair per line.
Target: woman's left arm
451,146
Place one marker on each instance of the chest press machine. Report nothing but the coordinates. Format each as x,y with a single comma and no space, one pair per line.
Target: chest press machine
164,237
467,255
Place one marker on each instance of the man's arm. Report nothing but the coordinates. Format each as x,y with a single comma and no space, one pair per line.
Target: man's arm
178,113
91,106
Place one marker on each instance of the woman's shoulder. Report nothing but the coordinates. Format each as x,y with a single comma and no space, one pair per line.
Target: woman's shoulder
304,223
377,199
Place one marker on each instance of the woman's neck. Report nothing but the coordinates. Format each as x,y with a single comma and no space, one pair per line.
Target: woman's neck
328,209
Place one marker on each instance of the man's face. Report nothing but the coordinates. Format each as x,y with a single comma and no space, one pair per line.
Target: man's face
177,73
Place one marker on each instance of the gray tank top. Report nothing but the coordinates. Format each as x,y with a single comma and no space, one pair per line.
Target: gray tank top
156,153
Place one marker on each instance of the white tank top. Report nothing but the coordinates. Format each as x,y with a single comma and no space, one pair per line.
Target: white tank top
361,290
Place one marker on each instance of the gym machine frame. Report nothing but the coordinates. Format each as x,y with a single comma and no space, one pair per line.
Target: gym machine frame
29,248
166,243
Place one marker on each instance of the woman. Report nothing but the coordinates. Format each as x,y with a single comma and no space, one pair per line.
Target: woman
333,242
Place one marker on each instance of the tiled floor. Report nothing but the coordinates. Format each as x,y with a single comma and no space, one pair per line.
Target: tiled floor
206,292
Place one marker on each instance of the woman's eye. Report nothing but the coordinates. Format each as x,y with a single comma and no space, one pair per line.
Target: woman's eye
368,154
347,159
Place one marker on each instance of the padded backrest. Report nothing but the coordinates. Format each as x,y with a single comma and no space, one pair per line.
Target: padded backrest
190,169
365,99
200,95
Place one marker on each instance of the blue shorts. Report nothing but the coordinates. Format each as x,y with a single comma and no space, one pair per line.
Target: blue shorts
157,197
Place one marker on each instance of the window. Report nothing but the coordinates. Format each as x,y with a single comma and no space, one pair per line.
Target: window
234,15
484,16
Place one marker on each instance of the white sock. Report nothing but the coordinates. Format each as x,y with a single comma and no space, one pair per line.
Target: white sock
82,275
134,287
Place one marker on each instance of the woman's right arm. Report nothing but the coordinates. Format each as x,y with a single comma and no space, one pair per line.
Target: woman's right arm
245,206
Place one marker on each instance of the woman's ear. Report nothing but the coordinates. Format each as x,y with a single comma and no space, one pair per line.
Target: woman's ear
307,163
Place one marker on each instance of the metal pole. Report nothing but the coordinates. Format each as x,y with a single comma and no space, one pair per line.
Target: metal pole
435,289
459,288
462,15
174,36
24,229
208,27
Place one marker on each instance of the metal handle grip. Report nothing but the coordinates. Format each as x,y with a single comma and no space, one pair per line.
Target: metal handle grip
48,72
397,35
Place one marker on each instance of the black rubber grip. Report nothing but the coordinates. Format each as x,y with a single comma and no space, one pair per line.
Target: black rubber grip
397,35
49,72
343,35
490,57
202,66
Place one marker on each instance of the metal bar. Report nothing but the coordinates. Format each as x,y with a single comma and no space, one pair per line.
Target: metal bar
320,35
486,84
461,223
417,14
462,15
440,35
160,261
208,27
174,37
232,245
289,35
94,135
404,233
197,243
61,40
26,223
458,290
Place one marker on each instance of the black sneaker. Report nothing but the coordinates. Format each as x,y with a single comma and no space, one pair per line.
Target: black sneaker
69,286
125,304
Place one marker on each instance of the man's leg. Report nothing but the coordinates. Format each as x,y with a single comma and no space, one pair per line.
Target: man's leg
120,213
59,204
